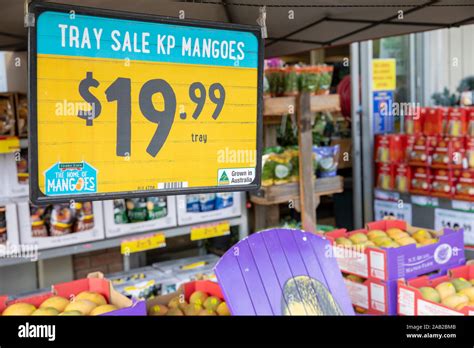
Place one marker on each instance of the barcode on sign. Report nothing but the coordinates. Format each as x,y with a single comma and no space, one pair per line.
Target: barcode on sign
172,185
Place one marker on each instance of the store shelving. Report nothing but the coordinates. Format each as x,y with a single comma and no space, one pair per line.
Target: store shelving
307,191
116,242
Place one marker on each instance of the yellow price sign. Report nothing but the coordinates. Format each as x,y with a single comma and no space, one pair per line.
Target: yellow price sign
140,105
210,231
384,76
9,144
193,265
149,242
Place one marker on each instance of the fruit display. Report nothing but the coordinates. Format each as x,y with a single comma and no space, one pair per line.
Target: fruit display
85,303
139,209
198,298
439,295
387,250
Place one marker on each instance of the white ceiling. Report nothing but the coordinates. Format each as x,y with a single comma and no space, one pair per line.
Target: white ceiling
316,23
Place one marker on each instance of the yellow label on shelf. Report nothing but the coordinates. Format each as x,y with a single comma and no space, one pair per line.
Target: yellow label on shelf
384,77
193,265
149,242
210,231
9,144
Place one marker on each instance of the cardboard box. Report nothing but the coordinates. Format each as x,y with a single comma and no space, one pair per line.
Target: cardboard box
27,226
201,208
457,122
186,290
390,148
113,228
420,181
414,121
385,176
448,153
470,121
411,302
434,121
464,189
418,150
9,235
375,296
94,282
407,261
14,174
402,177
443,182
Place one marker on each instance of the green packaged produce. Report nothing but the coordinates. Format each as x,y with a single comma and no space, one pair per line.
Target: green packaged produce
156,208
137,209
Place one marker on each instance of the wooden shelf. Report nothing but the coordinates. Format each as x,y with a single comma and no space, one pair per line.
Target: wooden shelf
276,194
319,103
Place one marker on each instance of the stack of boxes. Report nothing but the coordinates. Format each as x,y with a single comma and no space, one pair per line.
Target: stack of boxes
434,157
371,273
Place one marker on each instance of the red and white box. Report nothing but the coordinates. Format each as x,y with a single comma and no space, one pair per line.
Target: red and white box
411,301
385,176
420,181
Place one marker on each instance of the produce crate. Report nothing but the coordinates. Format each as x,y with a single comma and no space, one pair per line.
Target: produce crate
186,290
407,261
94,282
373,295
411,301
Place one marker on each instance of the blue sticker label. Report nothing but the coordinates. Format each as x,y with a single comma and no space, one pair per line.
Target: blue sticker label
70,178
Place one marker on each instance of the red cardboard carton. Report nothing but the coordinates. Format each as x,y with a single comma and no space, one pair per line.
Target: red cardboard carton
443,183
412,302
94,282
448,153
465,186
469,147
414,121
457,122
402,177
390,148
385,176
418,151
433,122
420,182
470,121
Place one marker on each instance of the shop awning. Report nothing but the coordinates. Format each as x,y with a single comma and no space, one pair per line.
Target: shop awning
293,25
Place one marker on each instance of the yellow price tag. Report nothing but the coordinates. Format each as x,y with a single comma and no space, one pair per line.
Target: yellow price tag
210,231
193,265
149,242
9,144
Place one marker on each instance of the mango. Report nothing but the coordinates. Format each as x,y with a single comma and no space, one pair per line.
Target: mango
193,309
211,303
177,302
222,309
472,281
455,300
70,313
421,235
57,302
428,241
206,312
355,278
445,289
343,241
469,292
19,308
198,297
358,238
83,306
158,310
406,241
430,294
45,311
389,244
95,297
103,309
379,240
460,283
175,312
372,234
396,233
